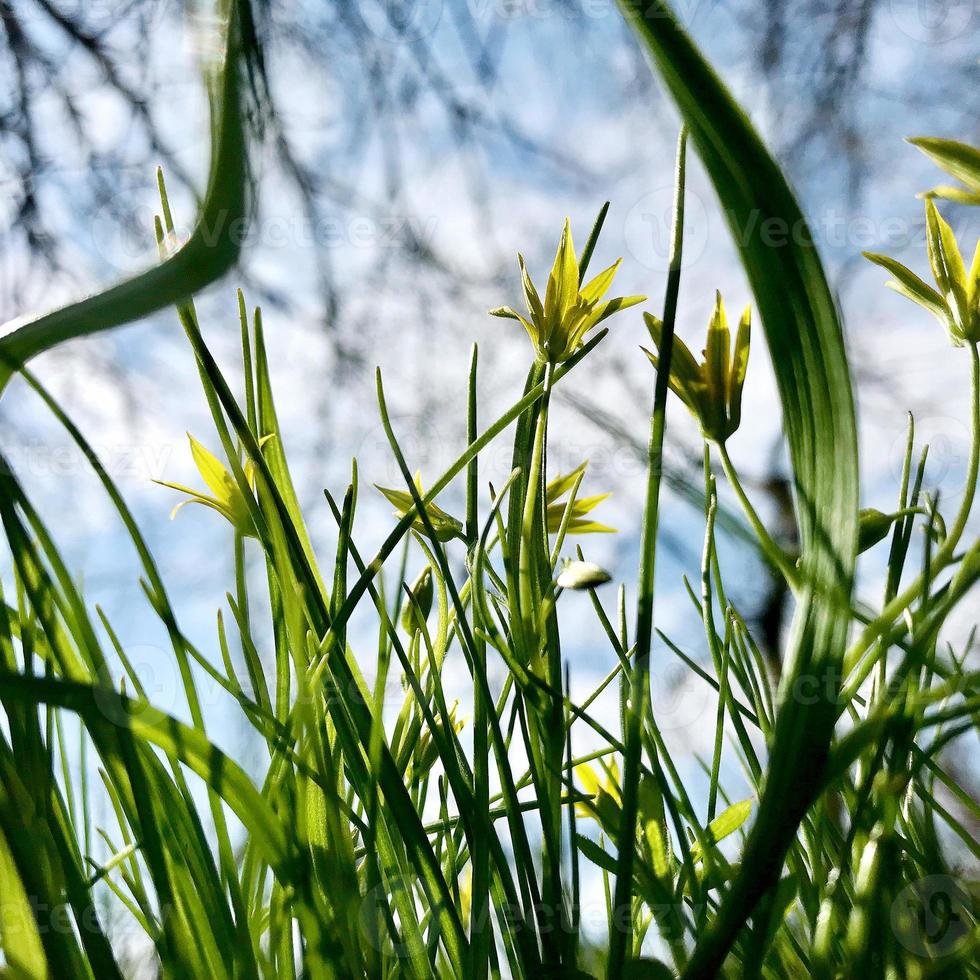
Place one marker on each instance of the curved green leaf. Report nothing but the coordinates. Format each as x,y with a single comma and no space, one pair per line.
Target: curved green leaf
210,251
806,345
959,160
104,709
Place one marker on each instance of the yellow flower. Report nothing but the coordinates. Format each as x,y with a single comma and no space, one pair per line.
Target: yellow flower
607,800
558,326
445,526
578,522
956,301
607,805
227,498
712,391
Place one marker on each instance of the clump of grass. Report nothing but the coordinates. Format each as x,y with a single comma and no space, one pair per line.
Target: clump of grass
453,841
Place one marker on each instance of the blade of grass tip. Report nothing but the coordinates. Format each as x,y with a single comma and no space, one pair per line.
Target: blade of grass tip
275,451
586,258
248,368
473,468
621,921
201,260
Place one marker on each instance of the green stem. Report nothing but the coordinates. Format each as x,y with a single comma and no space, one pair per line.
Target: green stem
772,551
719,656
541,637
621,921
480,930
532,499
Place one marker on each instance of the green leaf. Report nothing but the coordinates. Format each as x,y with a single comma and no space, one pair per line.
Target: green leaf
596,854
944,257
212,249
959,160
806,347
213,473
875,525
740,366
653,823
19,937
562,291
957,195
605,310
724,825
445,526
596,288
533,300
505,312
911,286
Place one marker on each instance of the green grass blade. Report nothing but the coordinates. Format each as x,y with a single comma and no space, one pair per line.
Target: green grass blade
638,682
807,351
210,251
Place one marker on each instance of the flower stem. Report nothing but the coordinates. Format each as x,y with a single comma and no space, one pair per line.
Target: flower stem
775,555
621,922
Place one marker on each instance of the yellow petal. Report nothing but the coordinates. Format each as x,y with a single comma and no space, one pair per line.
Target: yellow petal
218,479
596,288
